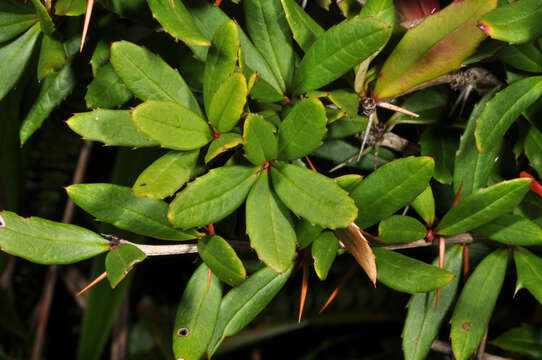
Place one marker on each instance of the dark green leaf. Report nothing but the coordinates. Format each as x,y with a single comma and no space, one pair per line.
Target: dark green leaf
306,233
52,57
513,230
442,148
521,340
430,104
228,103
529,270
324,249
70,7
13,24
222,260
424,205
401,229
224,142
100,56
46,23
338,151
524,57
533,149
120,261
304,29
107,90
259,140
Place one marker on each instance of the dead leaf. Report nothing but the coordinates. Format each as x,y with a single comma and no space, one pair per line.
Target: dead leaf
358,246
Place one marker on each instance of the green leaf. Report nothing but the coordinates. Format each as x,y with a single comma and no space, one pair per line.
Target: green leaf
338,151
267,26
348,182
324,249
112,127
70,7
306,233
424,205
423,320
303,129
269,226
380,9
441,147
172,125
48,242
221,60
476,302
13,24
166,175
313,196
228,103
55,88
521,340
482,206
304,29
222,260
435,47
401,229
259,140
52,57
224,142
46,23
150,77
403,273
117,205
501,111
244,302
212,197
391,187
337,51
533,149
430,104
524,57
517,22
196,315
472,169
177,21
100,56
107,90
13,58
120,261
513,230
529,270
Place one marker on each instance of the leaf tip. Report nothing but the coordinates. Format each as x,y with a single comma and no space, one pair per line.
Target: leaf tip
484,27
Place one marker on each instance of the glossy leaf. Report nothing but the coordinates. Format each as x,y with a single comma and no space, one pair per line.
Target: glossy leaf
517,22
475,304
424,205
521,340
48,242
212,197
338,151
228,103
403,273
401,229
313,196
111,127
302,131
306,233
244,302
172,125
52,57
13,24
482,206
380,9
221,258
423,320
433,48
224,142
358,246
391,187
513,230
117,205
176,20
120,261
348,182
46,23
13,58
53,91
501,111
196,315
528,267
524,57
269,226
304,29
70,7
324,249
150,77
107,90
441,147
259,140
340,49
533,149
100,56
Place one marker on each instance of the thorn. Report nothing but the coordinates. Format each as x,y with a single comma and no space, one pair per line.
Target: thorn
88,14
441,260
94,282
396,108
218,2
211,229
304,286
310,163
458,195
209,275
465,260
343,282
173,3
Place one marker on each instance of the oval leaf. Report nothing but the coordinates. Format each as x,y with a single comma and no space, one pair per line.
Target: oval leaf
424,205
13,24
228,103
324,250
304,29
259,140
525,57
306,232
401,229
521,340
529,270
222,260
107,89
513,230
224,142
120,261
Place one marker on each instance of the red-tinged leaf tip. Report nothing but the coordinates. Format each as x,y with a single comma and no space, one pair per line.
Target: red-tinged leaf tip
217,134
94,282
209,276
345,279
218,2
304,287
430,235
173,3
482,26
88,15
458,195
266,165
535,186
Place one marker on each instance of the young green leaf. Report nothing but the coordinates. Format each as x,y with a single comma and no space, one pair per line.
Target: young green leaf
304,29
340,49
424,205
259,139
529,270
111,127
303,129
476,302
196,315
533,149
401,229
244,302
150,77
13,24
120,261
117,205
107,89
70,7
525,57
212,197
513,230
48,242
221,258
228,103
482,206
391,187
46,23
423,320
521,340
517,22
348,182
324,249
172,125
441,147
403,273
306,233
176,20
313,196
224,142
501,111
433,48
52,56
382,10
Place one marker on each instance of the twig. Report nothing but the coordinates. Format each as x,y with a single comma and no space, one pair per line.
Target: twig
396,108
465,238
161,250
445,348
5,279
482,348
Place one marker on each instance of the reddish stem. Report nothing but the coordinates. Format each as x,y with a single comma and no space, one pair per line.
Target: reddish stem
465,260
535,185
304,286
310,163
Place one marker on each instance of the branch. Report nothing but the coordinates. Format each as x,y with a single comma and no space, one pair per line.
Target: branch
178,249
465,238
445,348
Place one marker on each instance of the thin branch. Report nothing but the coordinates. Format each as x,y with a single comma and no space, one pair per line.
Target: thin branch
178,249
445,348
396,108
465,238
